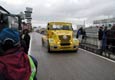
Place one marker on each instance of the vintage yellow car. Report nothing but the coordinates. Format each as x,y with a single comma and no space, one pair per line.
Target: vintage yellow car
59,37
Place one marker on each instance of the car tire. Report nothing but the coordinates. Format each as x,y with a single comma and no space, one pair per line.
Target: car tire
75,51
48,48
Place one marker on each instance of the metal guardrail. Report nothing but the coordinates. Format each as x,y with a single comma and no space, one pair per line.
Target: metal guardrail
90,43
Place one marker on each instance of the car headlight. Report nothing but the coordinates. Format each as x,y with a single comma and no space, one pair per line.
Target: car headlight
58,42
76,41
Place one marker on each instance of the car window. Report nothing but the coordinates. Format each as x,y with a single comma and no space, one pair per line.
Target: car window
61,27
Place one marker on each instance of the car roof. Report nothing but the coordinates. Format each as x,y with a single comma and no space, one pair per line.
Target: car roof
59,23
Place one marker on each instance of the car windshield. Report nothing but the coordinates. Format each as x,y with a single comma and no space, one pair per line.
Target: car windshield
61,27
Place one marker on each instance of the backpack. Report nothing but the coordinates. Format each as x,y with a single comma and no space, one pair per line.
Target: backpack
27,63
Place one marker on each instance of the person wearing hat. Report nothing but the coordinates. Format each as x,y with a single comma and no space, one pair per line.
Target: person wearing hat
14,63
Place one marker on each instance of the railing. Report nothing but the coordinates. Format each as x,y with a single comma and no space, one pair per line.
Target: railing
90,42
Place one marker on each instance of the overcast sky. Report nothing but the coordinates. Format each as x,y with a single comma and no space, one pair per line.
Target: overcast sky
75,11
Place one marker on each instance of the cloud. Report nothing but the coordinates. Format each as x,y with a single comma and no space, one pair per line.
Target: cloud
75,11
15,2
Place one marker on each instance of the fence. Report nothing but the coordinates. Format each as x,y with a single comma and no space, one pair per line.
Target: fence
91,43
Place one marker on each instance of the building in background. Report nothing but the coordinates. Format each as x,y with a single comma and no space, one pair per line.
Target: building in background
26,19
79,26
9,20
104,22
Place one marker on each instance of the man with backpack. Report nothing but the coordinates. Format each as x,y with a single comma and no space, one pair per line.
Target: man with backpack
14,63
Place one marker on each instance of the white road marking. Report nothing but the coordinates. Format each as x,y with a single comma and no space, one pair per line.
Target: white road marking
98,55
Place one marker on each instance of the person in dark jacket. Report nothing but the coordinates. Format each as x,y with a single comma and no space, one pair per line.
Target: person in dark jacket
26,38
104,40
14,63
100,36
23,43
100,33
84,36
79,32
111,39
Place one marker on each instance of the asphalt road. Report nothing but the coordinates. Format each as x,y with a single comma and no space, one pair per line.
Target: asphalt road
70,66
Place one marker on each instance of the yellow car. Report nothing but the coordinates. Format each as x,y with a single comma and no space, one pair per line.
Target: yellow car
59,37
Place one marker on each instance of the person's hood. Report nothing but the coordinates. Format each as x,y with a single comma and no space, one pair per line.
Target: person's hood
17,64
9,34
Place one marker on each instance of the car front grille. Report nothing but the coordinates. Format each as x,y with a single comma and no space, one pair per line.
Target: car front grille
64,41
64,44
61,37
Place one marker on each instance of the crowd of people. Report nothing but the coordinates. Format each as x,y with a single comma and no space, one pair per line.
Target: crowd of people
106,39
15,63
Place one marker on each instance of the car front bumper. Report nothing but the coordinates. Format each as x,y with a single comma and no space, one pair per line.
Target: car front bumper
64,48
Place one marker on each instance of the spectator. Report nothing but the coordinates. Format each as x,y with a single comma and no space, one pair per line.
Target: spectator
100,36
23,43
84,34
26,38
104,39
79,34
14,63
111,39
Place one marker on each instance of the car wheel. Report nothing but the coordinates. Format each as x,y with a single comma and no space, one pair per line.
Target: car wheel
76,51
49,51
